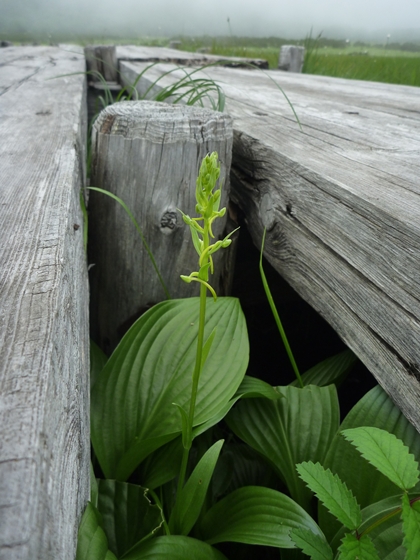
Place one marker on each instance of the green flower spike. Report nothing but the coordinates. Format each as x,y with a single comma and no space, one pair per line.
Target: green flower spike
207,206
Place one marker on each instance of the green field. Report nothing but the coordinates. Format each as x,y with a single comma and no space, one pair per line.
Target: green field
397,64
326,57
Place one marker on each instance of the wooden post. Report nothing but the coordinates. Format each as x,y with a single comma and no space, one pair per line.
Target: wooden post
102,59
291,58
148,154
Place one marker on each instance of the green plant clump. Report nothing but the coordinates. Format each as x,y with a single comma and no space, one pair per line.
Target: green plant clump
190,452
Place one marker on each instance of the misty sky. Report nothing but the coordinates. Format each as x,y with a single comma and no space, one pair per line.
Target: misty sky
285,18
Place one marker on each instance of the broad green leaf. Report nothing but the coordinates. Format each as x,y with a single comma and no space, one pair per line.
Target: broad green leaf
239,465
174,547
313,545
252,387
255,515
411,528
191,498
357,549
382,521
162,465
132,412
331,370
127,513
387,453
92,543
288,431
367,484
332,492
93,487
97,362
186,432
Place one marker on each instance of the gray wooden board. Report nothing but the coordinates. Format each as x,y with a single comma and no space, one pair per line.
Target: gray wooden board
341,201
143,53
44,352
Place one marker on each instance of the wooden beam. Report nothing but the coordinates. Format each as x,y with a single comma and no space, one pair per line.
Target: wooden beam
44,351
341,202
162,54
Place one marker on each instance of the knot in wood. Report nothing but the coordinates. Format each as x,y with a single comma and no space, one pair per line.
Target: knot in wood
168,221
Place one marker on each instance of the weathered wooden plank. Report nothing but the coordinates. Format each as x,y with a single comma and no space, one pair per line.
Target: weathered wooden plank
341,201
148,154
44,427
174,56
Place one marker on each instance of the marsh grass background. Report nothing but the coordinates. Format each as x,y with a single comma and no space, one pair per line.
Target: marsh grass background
395,63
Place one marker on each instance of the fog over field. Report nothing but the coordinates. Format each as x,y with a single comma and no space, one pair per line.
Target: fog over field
353,19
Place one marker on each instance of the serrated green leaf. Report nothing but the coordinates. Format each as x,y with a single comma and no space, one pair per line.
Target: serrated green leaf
92,543
313,545
255,515
411,527
174,547
191,498
382,521
128,516
131,407
332,492
367,484
387,453
331,370
291,430
357,549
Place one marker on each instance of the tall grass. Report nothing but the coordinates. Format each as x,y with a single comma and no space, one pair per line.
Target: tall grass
388,69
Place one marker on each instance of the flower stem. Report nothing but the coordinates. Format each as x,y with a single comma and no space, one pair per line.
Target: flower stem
194,389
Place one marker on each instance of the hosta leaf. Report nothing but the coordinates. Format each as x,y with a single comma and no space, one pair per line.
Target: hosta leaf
127,513
252,387
411,528
387,453
255,515
174,547
191,498
313,545
331,370
97,362
367,484
357,549
132,413
287,431
162,465
239,465
93,487
332,492
92,543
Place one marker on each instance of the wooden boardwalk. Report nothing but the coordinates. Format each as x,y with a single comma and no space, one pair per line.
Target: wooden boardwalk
340,199
44,354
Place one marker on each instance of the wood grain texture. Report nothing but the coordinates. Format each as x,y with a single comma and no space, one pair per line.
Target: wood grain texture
149,155
101,59
341,202
44,352
162,54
